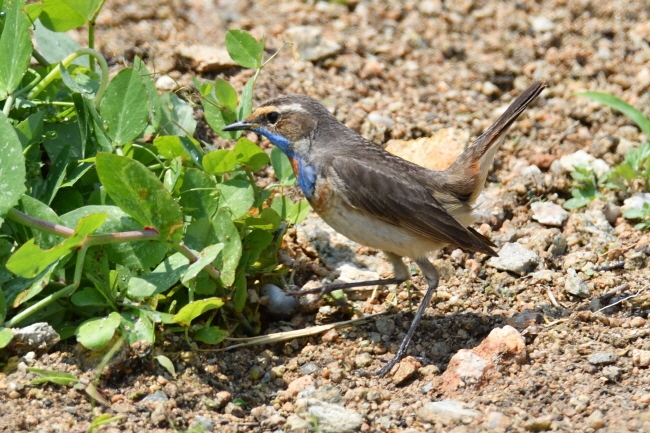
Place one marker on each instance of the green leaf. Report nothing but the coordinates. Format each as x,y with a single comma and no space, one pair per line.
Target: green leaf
140,194
57,377
3,308
56,176
198,193
15,47
95,334
211,335
250,155
576,203
167,364
225,231
245,107
30,260
241,294
177,116
5,336
155,105
617,104
160,279
12,167
225,93
55,46
88,297
299,212
236,195
30,130
125,106
244,49
194,309
170,147
206,257
220,161
64,15
282,167
137,326
134,255
267,220
218,117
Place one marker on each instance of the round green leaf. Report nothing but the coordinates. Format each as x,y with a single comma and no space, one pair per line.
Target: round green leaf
125,106
226,93
282,166
243,48
250,155
95,334
15,47
64,15
210,335
220,161
139,193
12,167
236,195
194,309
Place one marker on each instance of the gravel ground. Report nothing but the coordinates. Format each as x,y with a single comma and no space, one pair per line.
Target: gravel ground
544,339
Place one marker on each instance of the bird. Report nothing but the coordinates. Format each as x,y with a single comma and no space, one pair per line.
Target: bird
378,199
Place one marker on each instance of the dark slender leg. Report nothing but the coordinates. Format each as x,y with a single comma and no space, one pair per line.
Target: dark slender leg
431,275
400,272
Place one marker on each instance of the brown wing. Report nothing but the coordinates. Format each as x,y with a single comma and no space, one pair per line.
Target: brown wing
388,192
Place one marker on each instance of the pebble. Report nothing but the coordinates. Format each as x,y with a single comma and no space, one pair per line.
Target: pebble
641,358
156,396
575,285
548,213
330,418
611,372
447,412
602,358
362,360
568,163
637,201
279,303
222,398
326,393
514,257
309,368
637,322
201,422
541,24
234,410
377,118
206,58
298,385
385,326
596,420
38,337
538,424
166,83
405,370
310,43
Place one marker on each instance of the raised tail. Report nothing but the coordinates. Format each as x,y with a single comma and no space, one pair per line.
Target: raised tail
465,178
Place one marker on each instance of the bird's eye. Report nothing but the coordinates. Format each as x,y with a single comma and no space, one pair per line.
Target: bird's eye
273,117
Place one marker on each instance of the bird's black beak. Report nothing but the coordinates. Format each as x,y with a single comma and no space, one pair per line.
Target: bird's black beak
243,125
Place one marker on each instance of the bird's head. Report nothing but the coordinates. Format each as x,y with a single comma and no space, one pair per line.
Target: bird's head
288,122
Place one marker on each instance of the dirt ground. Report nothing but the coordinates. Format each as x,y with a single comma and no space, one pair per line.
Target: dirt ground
406,70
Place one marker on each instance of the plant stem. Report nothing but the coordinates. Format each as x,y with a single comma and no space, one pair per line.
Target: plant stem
8,103
67,290
40,59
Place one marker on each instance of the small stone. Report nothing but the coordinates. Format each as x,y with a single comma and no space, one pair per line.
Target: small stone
309,368
490,89
279,303
166,83
637,201
602,358
575,286
497,421
641,358
611,372
222,398
645,398
310,43
362,360
514,257
156,396
206,58
385,326
541,24
596,420
234,410
326,393
206,424
405,370
550,214
298,385
638,322
330,418
38,337
378,119
568,163
446,412
538,424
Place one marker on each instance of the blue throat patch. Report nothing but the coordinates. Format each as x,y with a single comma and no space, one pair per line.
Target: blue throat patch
305,174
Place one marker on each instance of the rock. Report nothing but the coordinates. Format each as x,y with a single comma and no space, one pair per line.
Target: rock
166,83
37,337
446,412
592,225
385,326
514,257
279,303
222,398
541,24
497,421
611,372
637,201
558,245
579,259
596,420
310,43
203,423
477,366
309,368
326,393
234,410
298,385
430,7
156,396
436,152
378,119
538,424
330,418
575,286
568,163
405,370
602,358
362,360
549,214
641,358
206,58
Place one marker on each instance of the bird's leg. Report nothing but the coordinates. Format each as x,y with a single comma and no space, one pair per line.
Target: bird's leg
400,274
431,275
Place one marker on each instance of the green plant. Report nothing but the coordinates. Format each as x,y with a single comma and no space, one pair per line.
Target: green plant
113,217
584,188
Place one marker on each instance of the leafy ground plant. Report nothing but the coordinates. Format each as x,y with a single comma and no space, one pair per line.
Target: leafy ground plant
113,217
631,176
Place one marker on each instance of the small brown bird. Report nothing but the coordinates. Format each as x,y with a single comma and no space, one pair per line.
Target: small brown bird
379,199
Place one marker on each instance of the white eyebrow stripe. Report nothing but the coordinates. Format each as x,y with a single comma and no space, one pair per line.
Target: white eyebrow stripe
292,107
